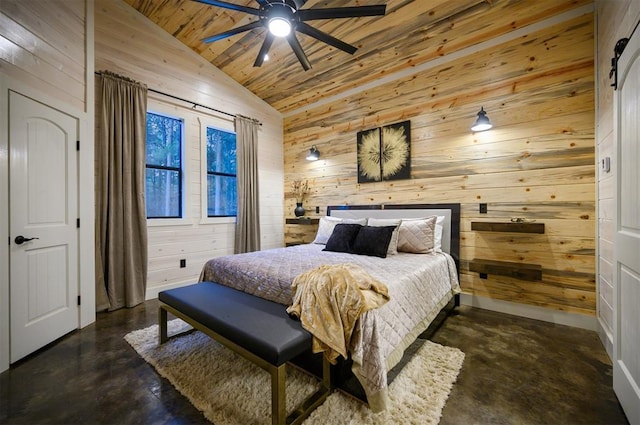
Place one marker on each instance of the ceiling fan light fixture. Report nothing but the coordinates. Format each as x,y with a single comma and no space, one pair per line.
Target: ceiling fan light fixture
280,27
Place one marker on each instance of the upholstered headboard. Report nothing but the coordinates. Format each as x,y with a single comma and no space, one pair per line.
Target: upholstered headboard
451,212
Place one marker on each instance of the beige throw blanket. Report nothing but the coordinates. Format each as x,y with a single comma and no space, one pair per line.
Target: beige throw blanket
329,300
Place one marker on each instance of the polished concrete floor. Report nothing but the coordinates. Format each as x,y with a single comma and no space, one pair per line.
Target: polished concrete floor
516,371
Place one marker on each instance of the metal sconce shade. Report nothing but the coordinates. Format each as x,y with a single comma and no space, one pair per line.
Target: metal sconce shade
482,123
314,154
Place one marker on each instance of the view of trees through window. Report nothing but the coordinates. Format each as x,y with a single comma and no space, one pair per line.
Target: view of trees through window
221,173
163,183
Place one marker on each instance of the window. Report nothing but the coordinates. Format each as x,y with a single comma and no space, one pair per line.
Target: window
221,173
164,166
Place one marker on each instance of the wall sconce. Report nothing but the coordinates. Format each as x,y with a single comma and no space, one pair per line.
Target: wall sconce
482,123
314,154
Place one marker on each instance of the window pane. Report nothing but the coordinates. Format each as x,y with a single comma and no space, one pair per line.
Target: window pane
221,151
221,160
163,193
164,135
221,196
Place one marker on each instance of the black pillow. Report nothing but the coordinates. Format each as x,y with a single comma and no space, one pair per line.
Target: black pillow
373,240
341,240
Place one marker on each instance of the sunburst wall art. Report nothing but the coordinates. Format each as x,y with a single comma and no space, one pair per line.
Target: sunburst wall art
384,153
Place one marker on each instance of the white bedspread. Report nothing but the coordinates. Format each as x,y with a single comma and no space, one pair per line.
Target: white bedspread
419,286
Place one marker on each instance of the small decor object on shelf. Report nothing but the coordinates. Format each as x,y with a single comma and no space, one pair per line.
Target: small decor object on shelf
300,190
521,220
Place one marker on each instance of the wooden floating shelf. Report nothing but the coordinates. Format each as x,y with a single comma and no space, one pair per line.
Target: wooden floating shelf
303,220
486,226
504,268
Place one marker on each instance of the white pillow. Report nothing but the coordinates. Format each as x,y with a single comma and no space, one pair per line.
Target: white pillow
328,223
437,240
378,222
325,228
360,221
416,235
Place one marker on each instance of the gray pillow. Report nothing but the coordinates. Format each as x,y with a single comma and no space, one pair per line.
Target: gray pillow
417,235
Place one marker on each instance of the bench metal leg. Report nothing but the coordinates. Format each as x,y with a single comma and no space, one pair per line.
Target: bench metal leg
326,374
278,395
162,322
316,399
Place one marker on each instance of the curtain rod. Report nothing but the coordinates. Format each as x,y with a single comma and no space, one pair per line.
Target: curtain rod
191,102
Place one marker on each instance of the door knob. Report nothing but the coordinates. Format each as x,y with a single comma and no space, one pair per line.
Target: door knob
21,239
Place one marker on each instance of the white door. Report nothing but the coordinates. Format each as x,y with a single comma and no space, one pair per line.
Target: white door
626,338
43,205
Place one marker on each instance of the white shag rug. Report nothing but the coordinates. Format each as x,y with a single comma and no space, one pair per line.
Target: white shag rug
230,390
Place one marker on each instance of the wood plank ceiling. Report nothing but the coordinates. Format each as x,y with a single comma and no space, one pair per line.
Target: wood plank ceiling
412,32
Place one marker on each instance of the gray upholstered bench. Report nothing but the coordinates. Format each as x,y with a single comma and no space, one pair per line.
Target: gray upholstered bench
258,329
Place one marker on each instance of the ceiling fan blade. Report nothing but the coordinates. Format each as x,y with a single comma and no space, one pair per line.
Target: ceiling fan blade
266,45
341,12
232,31
325,38
298,3
297,49
231,6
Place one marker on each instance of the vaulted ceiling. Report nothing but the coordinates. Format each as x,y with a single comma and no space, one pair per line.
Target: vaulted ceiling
411,33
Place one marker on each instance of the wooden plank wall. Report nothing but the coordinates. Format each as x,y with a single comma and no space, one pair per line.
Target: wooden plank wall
42,44
129,44
538,162
615,21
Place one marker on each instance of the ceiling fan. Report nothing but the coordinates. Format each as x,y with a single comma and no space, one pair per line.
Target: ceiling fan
283,17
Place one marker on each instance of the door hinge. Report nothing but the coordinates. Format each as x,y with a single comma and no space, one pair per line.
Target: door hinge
77,145
78,223
79,300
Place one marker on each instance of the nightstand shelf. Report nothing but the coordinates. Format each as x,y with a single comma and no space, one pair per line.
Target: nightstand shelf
521,271
300,230
302,220
486,226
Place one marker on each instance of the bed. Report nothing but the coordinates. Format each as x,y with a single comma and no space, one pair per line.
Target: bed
419,285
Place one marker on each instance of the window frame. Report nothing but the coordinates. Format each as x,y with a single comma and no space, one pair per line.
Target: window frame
160,108
228,126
